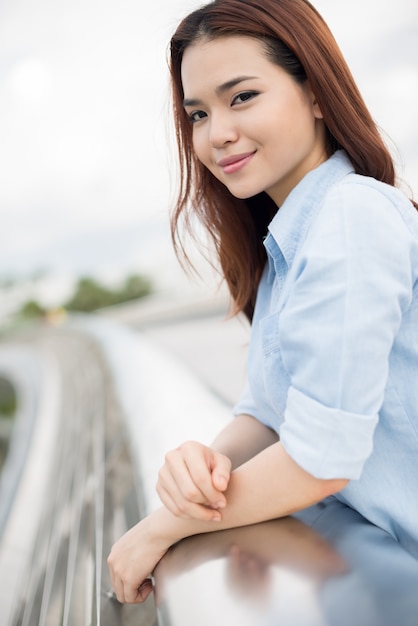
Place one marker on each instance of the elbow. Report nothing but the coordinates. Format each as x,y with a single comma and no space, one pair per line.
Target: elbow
332,486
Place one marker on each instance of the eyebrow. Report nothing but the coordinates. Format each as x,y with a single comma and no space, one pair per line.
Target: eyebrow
229,84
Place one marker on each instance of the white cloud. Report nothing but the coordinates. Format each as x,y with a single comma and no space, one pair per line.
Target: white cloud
31,81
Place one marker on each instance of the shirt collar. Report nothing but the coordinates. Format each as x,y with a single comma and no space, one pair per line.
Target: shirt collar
290,224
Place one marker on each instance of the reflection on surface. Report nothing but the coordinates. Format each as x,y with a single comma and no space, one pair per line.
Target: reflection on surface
328,566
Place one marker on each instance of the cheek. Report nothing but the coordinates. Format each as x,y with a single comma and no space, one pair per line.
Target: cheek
295,128
200,146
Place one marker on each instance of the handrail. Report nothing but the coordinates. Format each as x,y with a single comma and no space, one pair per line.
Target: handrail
324,566
19,365
78,492
25,469
164,403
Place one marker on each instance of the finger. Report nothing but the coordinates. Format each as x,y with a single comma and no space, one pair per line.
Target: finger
176,479
190,466
119,590
116,582
189,510
168,501
173,498
136,595
187,477
200,468
145,590
221,472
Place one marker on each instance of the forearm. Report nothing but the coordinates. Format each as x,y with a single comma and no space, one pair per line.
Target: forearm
268,486
243,438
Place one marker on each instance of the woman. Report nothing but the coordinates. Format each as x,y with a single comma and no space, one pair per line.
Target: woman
283,164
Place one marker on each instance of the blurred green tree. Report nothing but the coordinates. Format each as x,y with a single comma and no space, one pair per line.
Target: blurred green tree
31,309
91,295
88,296
8,398
135,286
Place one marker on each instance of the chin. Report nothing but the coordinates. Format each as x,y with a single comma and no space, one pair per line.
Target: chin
244,194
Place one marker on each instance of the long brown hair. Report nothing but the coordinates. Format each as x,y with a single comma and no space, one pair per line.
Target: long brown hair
296,38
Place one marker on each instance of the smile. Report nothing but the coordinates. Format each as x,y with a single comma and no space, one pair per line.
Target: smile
234,163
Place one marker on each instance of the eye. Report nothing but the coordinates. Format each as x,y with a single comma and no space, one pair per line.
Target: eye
196,116
244,96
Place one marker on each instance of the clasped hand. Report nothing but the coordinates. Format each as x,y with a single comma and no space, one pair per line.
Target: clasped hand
192,482
191,485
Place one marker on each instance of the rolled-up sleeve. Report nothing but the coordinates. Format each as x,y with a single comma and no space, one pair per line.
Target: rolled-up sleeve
351,282
246,405
343,440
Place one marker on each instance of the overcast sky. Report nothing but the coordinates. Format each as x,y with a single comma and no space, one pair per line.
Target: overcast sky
84,154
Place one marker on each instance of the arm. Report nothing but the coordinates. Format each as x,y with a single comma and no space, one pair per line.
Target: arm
193,480
243,438
286,541
268,486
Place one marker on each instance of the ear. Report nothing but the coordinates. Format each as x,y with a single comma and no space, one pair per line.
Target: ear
315,106
317,111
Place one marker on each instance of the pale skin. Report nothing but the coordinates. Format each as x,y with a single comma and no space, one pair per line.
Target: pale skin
246,475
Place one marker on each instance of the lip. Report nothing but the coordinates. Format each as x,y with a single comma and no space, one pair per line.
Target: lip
235,162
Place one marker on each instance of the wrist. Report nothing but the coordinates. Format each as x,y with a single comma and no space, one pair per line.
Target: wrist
163,529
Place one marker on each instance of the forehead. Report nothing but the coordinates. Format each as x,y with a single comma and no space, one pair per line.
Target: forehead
218,59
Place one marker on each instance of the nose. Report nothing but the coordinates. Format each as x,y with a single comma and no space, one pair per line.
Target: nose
223,129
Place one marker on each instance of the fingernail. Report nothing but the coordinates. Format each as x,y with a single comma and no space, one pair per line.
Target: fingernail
216,517
220,504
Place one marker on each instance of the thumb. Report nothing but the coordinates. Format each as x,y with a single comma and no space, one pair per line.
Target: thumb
221,472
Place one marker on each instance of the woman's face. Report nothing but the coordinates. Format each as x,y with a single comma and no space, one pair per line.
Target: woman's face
254,127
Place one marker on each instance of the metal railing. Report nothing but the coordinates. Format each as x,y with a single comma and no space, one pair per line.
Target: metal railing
101,432
89,497
326,566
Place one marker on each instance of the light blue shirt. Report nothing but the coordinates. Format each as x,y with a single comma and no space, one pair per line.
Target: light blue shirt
333,355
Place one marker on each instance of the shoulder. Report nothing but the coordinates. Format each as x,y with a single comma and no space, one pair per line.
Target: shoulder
367,206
